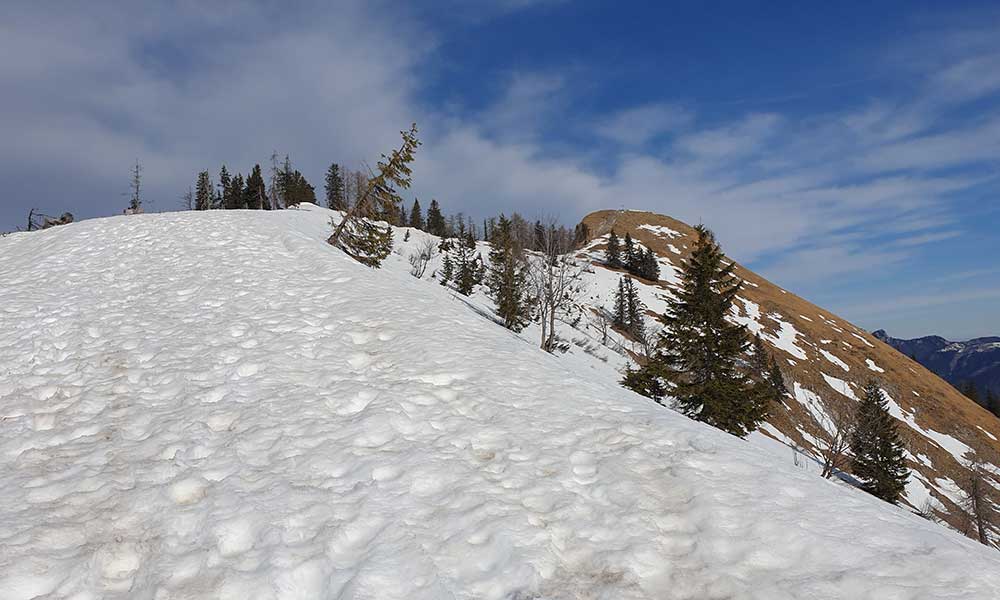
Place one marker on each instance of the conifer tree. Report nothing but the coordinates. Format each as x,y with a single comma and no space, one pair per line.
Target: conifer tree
358,234
629,256
235,197
619,319
612,254
776,380
334,185
969,390
760,360
633,309
255,190
435,221
465,264
700,351
225,187
507,278
878,460
992,402
447,268
416,216
649,267
203,192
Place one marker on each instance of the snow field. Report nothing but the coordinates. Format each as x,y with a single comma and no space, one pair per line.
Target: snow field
219,405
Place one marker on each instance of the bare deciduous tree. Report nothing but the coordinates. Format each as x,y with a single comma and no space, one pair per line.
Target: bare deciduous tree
423,255
838,422
554,279
977,504
602,322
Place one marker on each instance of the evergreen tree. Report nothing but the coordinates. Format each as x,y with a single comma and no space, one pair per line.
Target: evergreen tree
507,278
581,233
776,380
760,360
203,192
295,188
416,216
255,190
619,319
633,310
358,234
235,196
765,372
539,239
336,199
700,351
649,267
629,256
992,402
969,390
447,268
435,221
465,275
613,253
878,451
225,187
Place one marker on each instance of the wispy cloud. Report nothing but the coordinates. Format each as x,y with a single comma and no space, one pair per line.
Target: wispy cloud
636,126
851,189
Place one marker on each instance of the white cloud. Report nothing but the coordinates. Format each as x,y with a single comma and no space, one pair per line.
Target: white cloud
636,126
84,96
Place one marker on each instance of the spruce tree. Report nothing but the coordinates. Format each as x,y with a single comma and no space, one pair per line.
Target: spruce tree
255,190
776,380
992,402
877,450
225,187
701,352
295,188
416,216
334,185
465,267
612,254
234,198
760,360
435,221
619,319
969,390
649,267
357,233
629,256
203,192
634,309
507,278
447,268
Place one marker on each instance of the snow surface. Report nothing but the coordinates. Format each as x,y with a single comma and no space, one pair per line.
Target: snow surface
873,366
833,359
220,405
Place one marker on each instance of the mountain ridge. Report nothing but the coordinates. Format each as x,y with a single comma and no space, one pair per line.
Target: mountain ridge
975,361
222,405
825,360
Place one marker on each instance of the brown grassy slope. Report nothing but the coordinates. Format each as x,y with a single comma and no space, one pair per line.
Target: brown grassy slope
933,403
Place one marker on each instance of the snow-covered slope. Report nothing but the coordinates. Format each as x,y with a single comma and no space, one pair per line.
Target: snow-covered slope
219,405
826,360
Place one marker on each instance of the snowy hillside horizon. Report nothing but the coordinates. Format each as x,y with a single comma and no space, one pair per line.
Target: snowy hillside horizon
220,404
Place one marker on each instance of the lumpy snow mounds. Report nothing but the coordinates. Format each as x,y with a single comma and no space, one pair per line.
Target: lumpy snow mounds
220,405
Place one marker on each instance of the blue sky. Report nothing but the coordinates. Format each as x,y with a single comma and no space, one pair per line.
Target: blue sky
848,152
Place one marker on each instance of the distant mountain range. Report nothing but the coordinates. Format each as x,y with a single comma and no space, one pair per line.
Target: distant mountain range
975,362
